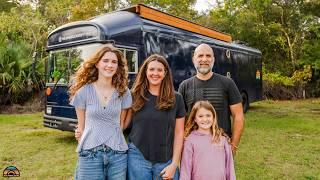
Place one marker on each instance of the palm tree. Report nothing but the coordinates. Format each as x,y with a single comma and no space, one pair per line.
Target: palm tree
16,77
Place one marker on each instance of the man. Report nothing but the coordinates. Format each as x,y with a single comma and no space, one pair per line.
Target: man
219,90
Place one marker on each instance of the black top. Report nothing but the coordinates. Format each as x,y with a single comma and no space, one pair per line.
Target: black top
153,129
219,90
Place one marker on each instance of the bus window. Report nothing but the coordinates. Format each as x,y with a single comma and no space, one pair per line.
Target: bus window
58,66
132,60
75,60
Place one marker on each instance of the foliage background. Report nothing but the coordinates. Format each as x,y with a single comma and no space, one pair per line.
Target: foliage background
286,31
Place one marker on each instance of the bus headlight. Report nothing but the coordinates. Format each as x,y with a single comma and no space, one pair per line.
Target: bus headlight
49,109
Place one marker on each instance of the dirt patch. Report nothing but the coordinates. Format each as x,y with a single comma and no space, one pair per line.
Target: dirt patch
315,110
36,104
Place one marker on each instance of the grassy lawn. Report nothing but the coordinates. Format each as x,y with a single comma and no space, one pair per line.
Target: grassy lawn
281,141
38,152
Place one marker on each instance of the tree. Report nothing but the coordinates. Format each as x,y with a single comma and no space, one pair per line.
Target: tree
180,8
6,5
311,47
16,78
55,12
277,27
86,9
22,32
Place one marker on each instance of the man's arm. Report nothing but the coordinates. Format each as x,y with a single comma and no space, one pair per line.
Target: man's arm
238,125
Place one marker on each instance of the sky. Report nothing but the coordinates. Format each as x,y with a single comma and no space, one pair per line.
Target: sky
202,5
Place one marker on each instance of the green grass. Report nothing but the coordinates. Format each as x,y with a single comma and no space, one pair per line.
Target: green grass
38,152
281,141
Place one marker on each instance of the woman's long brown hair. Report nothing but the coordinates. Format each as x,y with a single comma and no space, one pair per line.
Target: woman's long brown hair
88,73
192,125
166,98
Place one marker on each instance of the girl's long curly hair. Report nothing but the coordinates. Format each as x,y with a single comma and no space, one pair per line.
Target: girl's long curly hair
166,98
88,73
192,125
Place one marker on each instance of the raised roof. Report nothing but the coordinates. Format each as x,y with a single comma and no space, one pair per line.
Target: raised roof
161,17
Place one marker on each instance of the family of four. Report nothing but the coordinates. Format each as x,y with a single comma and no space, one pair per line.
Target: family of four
161,145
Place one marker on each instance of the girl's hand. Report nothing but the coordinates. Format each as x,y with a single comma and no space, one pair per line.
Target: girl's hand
169,171
234,149
77,134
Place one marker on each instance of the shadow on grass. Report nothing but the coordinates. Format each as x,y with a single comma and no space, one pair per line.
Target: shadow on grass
256,107
67,139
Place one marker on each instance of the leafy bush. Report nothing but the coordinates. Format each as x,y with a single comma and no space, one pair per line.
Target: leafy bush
277,78
303,76
22,32
17,80
277,86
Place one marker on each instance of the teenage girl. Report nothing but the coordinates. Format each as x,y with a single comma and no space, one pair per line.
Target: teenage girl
101,99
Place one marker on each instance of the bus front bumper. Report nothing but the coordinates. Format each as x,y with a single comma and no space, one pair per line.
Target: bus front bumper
64,124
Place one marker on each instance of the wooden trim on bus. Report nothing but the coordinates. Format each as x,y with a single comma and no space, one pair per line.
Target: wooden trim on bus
164,18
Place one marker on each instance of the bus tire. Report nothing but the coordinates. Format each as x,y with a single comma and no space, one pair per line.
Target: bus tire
245,102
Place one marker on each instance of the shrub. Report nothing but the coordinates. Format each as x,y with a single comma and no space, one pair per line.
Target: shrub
17,80
277,86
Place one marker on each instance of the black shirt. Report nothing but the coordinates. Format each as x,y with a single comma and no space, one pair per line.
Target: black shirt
153,129
219,90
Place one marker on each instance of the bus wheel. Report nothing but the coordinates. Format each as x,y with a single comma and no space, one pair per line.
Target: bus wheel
245,102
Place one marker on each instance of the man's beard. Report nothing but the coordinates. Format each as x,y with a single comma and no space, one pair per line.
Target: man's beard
204,70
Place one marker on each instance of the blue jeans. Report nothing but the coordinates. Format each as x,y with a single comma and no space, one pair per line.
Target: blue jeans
141,169
101,163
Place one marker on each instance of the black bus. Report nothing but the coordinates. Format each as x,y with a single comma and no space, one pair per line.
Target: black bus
140,31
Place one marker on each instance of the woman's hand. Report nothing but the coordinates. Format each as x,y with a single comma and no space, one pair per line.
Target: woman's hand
77,134
169,171
81,122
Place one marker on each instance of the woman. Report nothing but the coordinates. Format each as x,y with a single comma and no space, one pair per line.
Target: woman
101,99
157,113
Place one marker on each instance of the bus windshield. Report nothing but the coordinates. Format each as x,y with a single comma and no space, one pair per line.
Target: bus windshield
63,63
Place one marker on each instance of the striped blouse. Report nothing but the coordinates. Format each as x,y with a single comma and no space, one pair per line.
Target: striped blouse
102,123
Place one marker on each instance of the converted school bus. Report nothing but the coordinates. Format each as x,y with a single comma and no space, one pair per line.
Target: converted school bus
140,31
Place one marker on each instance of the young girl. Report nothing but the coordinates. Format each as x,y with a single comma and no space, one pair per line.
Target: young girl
206,154
101,99
156,137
